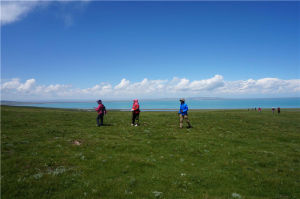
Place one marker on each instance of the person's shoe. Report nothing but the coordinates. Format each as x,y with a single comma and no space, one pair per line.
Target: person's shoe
136,125
132,124
189,127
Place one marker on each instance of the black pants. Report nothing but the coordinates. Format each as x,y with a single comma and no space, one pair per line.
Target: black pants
135,116
100,117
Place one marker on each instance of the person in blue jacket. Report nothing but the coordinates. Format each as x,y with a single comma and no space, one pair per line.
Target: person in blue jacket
183,113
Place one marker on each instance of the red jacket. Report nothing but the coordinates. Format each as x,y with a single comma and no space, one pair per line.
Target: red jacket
100,109
136,106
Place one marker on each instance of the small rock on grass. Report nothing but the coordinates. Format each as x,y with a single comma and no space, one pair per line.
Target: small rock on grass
76,142
157,194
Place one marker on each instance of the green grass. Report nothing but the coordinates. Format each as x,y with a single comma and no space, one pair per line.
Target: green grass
227,154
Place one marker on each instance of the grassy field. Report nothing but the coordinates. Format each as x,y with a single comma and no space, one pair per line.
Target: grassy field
227,154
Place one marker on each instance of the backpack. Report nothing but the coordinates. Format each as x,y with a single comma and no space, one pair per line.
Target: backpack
104,110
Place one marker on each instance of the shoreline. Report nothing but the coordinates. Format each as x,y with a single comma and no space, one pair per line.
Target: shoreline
150,110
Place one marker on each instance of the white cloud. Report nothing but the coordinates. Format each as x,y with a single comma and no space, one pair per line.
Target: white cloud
15,84
182,85
12,84
12,11
123,84
27,86
207,84
215,86
262,86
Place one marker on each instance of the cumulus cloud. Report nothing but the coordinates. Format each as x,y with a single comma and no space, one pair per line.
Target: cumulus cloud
208,84
12,84
146,88
123,84
27,86
262,86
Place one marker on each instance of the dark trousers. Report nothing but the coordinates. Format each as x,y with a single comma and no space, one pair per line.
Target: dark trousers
99,117
135,116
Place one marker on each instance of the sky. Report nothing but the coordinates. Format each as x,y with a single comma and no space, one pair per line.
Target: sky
119,50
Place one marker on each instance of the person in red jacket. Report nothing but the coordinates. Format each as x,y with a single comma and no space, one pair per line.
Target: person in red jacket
101,112
135,112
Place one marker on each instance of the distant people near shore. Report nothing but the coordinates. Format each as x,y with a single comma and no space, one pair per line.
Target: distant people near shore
259,109
183,113
273,110
101,112
278,110
135,113
255,108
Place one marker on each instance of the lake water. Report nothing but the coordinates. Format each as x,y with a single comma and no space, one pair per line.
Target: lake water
174,104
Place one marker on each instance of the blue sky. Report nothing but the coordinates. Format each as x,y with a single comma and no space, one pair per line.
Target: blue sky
189,48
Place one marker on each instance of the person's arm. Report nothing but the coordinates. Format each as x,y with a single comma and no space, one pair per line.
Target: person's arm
185,108
98,108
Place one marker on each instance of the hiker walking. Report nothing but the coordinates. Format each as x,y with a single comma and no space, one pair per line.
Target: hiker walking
135,112
273,110
278,110
183,113
101,112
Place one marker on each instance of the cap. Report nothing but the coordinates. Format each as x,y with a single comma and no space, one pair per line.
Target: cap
182,99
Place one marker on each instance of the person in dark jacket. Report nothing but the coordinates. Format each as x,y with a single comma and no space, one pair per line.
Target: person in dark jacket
135,112
101,112
183,113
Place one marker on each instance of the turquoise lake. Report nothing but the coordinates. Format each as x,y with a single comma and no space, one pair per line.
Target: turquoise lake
174,104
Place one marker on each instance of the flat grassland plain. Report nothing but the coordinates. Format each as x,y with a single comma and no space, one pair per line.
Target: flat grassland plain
52,153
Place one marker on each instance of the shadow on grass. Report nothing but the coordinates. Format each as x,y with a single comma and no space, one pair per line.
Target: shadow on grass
107,125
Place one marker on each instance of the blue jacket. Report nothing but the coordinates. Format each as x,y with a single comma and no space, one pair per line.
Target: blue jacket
184,109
